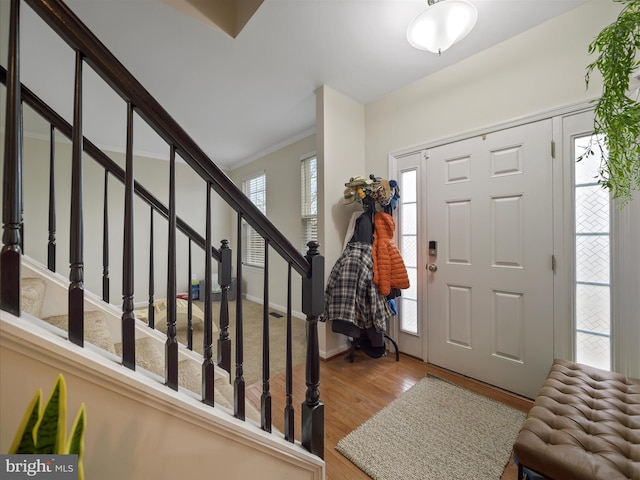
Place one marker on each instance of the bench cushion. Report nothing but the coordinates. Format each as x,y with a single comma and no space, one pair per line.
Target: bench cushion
584,424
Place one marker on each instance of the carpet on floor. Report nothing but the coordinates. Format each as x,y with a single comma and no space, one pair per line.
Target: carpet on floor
435,430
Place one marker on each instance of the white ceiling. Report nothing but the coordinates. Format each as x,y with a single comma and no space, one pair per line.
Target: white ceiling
244,97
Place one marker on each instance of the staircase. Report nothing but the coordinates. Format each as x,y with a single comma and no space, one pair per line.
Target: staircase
156,408
173,434
102,331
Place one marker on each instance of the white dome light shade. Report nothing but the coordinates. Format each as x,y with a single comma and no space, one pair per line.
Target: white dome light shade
441,25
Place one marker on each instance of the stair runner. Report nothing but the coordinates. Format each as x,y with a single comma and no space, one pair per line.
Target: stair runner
149,351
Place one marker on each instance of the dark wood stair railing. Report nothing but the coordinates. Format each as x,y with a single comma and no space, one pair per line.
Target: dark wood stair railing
310,266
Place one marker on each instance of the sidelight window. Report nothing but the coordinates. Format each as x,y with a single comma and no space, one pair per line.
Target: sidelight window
592,259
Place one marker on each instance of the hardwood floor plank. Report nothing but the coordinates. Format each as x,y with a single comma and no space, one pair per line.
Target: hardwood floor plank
354,392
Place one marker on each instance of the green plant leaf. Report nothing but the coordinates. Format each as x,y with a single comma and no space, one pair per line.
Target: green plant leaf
617,114
50,431
23,442
76,440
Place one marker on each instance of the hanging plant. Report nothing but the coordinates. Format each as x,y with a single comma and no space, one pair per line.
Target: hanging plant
617,111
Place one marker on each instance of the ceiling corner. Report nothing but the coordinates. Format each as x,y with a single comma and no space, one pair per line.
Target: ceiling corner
229,16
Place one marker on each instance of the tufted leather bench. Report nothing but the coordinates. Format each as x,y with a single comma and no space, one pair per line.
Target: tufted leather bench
584,424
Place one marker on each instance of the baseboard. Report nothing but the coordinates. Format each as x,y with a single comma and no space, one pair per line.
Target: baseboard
275,306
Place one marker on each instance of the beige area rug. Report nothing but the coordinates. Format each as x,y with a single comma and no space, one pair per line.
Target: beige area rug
252,323
435,430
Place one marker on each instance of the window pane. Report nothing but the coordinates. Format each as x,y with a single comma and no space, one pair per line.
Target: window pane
592,308
593,350
408,311
592,209
409,316
409,250
408,186
592,260
586,170
409,218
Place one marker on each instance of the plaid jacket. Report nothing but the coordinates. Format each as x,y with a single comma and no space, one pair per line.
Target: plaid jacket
350,293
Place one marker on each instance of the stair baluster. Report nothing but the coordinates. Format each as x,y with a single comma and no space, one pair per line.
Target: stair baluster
265,399
128,318
207,348
12,182
105,240
189,304
224,280
76,235
51,244
239,387
289,417
171,344
151,311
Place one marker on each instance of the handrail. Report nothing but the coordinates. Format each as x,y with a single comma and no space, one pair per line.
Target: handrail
71,29
64,127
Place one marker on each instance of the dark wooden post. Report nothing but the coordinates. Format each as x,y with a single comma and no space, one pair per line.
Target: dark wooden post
239,386
105,241
128,318
313,306
289,413
12,183
265,399
51,245
224,280
151,311
207,347
189,305
171,344
76,236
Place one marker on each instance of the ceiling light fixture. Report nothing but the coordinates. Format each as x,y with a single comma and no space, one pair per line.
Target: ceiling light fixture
441,24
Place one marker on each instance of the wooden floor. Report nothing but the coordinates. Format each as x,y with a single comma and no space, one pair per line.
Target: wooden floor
353,392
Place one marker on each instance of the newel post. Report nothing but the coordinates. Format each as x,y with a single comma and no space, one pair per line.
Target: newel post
312,307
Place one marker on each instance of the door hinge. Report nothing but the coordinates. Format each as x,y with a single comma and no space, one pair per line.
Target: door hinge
553,149
553,263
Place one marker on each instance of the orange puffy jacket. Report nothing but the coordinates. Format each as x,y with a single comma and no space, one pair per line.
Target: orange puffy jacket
389,270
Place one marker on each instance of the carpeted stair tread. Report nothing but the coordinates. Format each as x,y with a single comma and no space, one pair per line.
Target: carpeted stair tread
190,377
32,295
96,330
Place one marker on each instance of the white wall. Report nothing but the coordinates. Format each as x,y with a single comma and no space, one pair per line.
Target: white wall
540,69
341,140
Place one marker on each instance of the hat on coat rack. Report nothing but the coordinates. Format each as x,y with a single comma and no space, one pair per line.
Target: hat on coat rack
349,196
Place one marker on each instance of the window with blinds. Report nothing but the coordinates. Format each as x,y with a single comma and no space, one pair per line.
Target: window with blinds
255,188
309,199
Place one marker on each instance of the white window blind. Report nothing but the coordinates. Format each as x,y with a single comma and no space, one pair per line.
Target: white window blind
309,199
254,187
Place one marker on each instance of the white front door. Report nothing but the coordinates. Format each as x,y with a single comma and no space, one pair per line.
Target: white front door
490,284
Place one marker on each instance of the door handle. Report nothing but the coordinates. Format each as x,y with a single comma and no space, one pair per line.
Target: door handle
432,267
